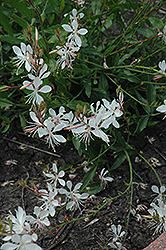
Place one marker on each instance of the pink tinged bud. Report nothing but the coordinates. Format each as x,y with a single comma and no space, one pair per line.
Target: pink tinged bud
36,35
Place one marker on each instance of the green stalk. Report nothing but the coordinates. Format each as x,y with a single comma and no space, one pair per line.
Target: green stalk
151,168
125,91
41,23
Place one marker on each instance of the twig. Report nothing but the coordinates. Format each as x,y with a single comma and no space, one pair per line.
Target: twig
22,194
160,154
26,145
62,237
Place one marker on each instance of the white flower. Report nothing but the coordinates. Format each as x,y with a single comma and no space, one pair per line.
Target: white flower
41,217
42,74
97,125
162,108
113,111
55,176
158,222
74,15
98,110
67,55
74,32
35,85
156,190
35,125
117,235
19,222
24,242
73,195
49,199
162,66
24,55
113,108
59,118
50,130
103,178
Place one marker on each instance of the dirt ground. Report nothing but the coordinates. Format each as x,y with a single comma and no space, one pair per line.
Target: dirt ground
83,235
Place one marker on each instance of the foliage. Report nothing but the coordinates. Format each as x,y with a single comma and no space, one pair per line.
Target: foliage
109,51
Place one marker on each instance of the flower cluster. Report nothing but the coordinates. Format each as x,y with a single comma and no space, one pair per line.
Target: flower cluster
83,126
51,198
20,235
20,229
158,210
37,69
73,43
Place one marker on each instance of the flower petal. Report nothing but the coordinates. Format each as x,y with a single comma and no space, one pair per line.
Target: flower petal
45,89
82,31
67,28
9,246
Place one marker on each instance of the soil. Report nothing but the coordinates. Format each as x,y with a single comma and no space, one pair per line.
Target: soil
93,233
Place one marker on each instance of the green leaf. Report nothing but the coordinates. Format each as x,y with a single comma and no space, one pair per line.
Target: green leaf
5,23
133,78
20,21
23,121
143,100
62,5
103,83
77,145
92,51
142,123
21,7
88,177
122,157
151,93
120,139
54,5
5,102
10,39
146,32
156,22
110,49
95,188
126,56
6,128
109,21
81,69
119,161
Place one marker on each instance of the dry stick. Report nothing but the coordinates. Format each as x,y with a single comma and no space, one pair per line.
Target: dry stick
22,194
26,145
63,236
160,154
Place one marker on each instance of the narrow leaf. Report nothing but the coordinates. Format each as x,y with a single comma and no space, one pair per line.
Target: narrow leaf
54,5
88,177
5,23
142,123
21,7
20,21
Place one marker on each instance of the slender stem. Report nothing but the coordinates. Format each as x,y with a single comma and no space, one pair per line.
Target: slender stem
151,168
127,93
131,186
41,23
